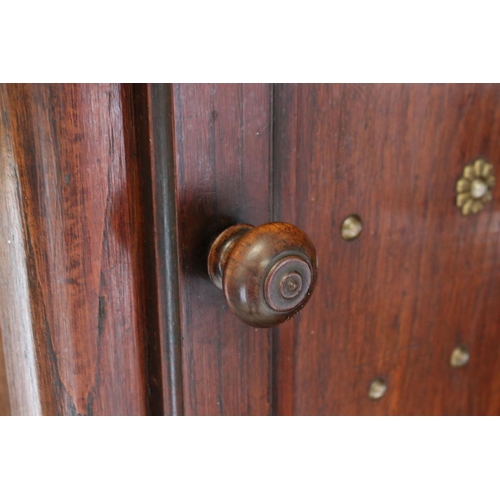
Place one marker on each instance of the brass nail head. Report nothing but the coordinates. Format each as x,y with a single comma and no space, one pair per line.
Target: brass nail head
351,227
378,388
459,357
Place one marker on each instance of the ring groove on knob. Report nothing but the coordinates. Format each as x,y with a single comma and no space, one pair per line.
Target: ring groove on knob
287,283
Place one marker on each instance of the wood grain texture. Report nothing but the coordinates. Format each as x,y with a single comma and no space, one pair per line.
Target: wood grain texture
16,313
420,280
222,146
79,204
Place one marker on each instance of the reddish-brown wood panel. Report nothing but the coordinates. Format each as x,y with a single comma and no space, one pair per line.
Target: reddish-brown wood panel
222,148
420,280
79,190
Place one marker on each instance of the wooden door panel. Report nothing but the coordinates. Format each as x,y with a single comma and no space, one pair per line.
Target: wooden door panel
222,145
420,280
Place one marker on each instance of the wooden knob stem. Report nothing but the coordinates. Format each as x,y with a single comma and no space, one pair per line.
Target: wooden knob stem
267,273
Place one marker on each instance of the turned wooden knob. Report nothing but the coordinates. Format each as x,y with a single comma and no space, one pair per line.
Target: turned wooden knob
267,273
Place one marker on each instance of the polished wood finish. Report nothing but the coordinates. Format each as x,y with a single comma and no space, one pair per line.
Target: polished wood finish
111,195
79,223
223,148
421,278
267,273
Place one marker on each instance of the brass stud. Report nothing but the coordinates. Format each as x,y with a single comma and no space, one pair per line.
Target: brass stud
474,187
378,388
459,357
351,227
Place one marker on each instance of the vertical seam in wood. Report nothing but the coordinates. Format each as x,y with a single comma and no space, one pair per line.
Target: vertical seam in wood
165,195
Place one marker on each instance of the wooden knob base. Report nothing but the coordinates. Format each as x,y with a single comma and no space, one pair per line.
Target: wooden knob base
267,273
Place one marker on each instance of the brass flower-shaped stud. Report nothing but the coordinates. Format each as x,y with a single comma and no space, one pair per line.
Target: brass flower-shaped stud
474,187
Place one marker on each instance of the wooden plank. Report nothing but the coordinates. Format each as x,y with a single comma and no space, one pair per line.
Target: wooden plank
420,280
222,145
78,195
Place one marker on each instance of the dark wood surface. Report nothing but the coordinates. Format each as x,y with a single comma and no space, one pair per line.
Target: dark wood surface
82,230
93,171
110,196
222,145
420,280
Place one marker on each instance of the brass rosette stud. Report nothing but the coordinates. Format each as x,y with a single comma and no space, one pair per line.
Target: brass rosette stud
475,186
